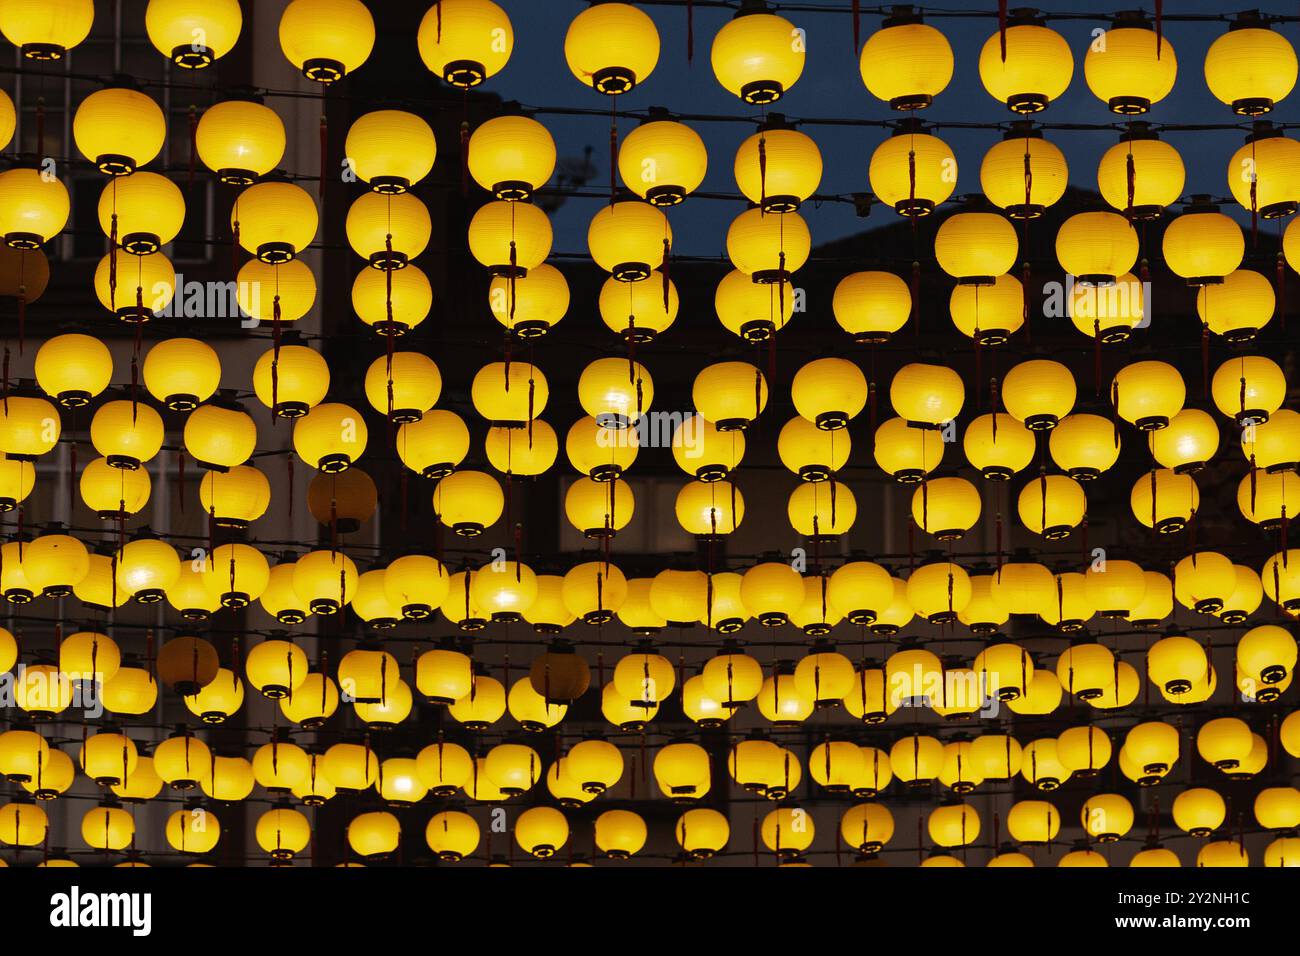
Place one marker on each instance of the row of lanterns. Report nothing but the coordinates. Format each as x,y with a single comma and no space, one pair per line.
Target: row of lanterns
757,56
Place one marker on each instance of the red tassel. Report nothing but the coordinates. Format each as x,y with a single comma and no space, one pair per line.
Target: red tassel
1160,27
324,151
1130,177
762,170
1205,358
613,150
690,30
1025,275
1281,290
668,250
1002,28
857,26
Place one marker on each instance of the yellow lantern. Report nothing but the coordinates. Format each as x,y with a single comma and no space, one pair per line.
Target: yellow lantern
511,451
465,41
18,478
778,168
276,668
912,171
275,220
240,140
829,392
511,156
635,612
599,509
1033,822
768,247
1023,174
73,368
182,373
452,835
145,289
1085,445
1096,247
662,160
326,39
1165,500
291,380
47,31
988,313
1250,67
1278,808
1052,505
703,450
976,247
391,150
1176,664
709,509
53,778
1152,748
281,599
938,591
282,832
89,656
392,303
926,396
953,824
597,451
541,831
351,767
1203,580
997,444
1249,389
1141,174
510,237
629,239
812,453
220,435
1187,443
1022,587
530,305
330,437
594,591
1266,654
33,208
1238,307
636,310
119,129
142,784
181,760
387,230
325,580
1225,742
1245,598
871,306
277,293
403,385
416,584
771,590
1086,669
946,507
699,707
916,760
758,55
1199,811
615,392
54,564
193,36
1128,68
732,677
1148,394
30,426
755,311
611,47
108,758
146,568
906,63
620,833
682,771
511,395
434,445
730,394
1085,751
984,614
219,700
1261,174
1272,445
192,830
1028,65
1203,245
108,828
23,754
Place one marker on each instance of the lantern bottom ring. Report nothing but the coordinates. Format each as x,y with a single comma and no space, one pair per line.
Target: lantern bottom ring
193,56
323,70
912,101
531,328
389,185
771,276
815,473
762,92
1170,525
665,195
275,253
773,618
1129,105
757,330
23,240
631,271
134,314
1024,210
512,190
781,204
1208,605
1028,102
464,73
388,261
115,164
1152,423
74,398
613,80
43,51
731,424
233,176
181,402
832,420
467,529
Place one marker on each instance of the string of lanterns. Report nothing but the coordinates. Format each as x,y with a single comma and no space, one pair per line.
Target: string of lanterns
614,47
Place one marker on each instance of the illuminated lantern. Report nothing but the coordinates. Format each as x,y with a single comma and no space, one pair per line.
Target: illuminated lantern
542,831
730,394
510,238
504,589
1152,749
912,171
220,699
1245,598
906,63
1041,766
768,247
351,767
594,591
1052,506
119,129
73,368
824,676
330,437
871,306
988,313
1084,445
23,754
1176,664
326,580
662,161
1238,307
54,564
53,778
465,41
1203,580
108,757
281,599
531,709
1096,247
47,31
274,220
867,827
757,56
771,591
1165,500
755,311
531,305
1187,443
18,478
33,208
510,395
1250,67
187,664
782,703
513,768
1116,587
452,835
1271,446
282,832
146,567
1086,669
434,445
1127,68
946,507
1261,174
326,39
821,509
220,435
598,509
682,771
862,589
89,656
701,449
1278,808
998,445
276,668
725,611
620,833
629,239
611,47
1033,822
983,615
976,247
42,690
778,168
1084,750
240,140
192,830
732,678
180,760
30,426
1156,178
1203,245
926,396
388,231
108,828
916,760
278,293
597,764
615,392
1035,68
1039,393
416,584
1148,394
1225,742
1267,654
192,35
953,824
392,150
829,392
510,451
1249,389
182,373
709,509
403,385
636,310
1023,174
1023,587
812,453
599,452
392,303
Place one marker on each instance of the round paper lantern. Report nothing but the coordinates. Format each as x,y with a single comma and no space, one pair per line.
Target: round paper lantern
1165,500
291,380
119,129
392,303
906,63
1156,179
1035,68
1148,394
1250,67
926,396
976,247
829,392
1203,245
193,35
465,41
1127,68
275,220
391,150
1238,307
1096,247
33,208
330,437
240,140
468,502
509,237
778,168
1024,174
388,230
871,306
1249,389
662,161
768,246
143,213
611,47
757,55
47,31
1262,174
912,171
755,311
326,39
73,368
730,394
